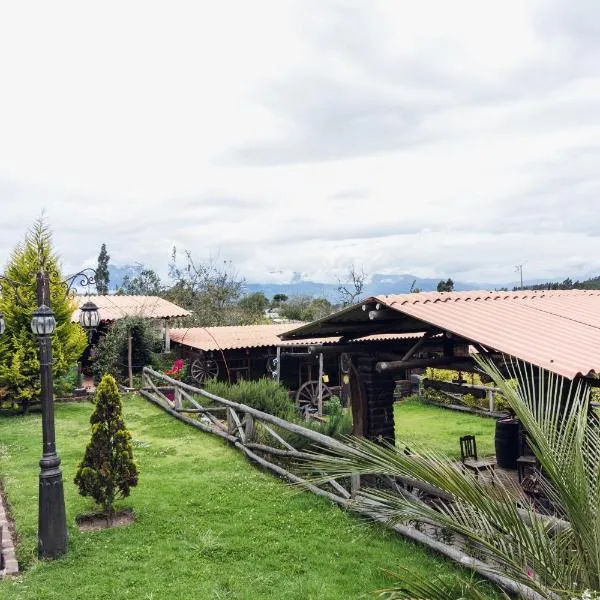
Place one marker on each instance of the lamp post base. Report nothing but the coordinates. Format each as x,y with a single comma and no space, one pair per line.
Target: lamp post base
52,525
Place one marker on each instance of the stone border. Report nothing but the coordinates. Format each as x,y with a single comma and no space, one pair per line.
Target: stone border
8,559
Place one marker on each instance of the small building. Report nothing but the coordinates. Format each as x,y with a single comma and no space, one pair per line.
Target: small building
558,331
249,352
163,313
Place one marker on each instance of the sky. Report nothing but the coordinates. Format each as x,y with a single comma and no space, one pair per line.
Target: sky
434,138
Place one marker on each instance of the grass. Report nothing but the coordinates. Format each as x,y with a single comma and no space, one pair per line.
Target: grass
441,428
209,525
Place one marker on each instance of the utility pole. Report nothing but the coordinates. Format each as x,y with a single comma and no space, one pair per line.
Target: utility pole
519,269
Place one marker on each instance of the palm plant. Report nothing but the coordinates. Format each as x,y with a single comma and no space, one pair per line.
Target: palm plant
546,557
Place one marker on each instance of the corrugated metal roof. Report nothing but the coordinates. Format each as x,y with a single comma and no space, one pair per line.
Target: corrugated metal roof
112,308
251,336
557,330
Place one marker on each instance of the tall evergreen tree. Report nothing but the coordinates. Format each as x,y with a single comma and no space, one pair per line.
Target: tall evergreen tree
102,275
107,471
19,362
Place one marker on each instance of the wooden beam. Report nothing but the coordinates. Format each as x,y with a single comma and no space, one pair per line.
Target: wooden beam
418,363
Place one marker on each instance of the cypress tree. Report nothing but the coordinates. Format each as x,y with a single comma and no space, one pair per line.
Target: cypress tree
19,362
107,471
102,276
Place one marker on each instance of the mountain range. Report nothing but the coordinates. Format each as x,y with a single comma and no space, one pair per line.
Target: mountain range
378,284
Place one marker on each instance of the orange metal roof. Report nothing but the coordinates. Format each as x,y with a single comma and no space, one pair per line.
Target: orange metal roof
557,330
250,336
112,308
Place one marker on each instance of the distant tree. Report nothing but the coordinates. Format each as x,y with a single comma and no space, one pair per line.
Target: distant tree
107,471
19,362
306,309
350,291
445,286
210,290
145,283
102,276
279,299
253,306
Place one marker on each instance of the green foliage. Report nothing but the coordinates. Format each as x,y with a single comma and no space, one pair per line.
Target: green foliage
253,307
445,286
306,309
107,471
102,275
19,362
279,299
145,283
65,384
265,395
111,352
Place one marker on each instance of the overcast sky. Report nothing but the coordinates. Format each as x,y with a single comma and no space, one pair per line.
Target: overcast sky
434,138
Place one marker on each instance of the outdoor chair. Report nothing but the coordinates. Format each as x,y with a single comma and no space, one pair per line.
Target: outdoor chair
527,462
469,459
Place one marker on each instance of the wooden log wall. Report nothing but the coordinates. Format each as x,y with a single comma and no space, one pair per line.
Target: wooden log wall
377,398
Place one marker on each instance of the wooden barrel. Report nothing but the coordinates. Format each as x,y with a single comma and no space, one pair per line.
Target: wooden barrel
507,443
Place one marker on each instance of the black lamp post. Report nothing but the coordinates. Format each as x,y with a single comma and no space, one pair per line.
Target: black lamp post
52,522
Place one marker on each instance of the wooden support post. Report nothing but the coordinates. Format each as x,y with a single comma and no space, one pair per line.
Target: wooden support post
230,422
167,338
249,429
177,397
491,401
130,358
278,372
320,404
354,485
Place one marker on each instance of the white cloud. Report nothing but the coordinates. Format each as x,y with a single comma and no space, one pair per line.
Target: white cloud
427,137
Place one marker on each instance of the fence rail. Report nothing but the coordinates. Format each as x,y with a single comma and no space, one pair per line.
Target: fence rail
255,434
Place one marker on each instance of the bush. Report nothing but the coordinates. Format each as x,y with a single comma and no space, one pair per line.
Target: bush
265,395
66,384
107,471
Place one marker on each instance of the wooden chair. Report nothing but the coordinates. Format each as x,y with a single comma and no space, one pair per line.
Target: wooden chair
527,460
469,459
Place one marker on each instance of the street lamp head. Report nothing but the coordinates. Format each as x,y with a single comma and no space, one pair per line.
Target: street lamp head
43,321
89,317
2,323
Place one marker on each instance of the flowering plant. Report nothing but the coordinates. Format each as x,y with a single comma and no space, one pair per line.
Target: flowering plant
177,370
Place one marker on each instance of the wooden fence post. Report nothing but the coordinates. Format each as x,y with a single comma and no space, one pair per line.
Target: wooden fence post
491,401
249,429
354,485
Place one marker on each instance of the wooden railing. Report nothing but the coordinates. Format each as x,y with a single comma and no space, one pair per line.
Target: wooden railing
262,438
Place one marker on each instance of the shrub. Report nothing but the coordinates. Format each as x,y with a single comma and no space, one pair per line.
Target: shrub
65,384
265,395
107,471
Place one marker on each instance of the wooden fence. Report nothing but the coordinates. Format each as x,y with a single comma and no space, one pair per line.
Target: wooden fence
262,438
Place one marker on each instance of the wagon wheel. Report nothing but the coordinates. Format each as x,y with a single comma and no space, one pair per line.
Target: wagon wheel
307,396
272,365
203,369
345,363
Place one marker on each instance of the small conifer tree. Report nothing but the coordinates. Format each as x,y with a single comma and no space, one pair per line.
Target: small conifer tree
102,274
107,471
19,362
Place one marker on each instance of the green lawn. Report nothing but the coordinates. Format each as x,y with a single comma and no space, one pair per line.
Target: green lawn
209,524
440,428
